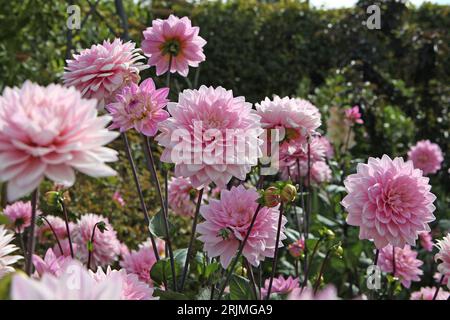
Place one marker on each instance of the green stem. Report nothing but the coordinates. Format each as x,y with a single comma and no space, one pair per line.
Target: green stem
31,235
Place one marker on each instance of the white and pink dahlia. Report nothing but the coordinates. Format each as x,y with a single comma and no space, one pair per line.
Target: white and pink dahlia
106,245
19,215
101,71
211,136
407,266
182,196
132,287
280,285
427,293
390,201
227,221
140,263
426,156
6,248
444,257
173,42
49,132
139,107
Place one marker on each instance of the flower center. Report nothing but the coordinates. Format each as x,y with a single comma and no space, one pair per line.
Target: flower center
172,47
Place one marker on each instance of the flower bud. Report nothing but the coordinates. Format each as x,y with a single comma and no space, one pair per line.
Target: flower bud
271,197
288,193
296,248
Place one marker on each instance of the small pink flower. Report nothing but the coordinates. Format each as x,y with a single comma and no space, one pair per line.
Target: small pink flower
101,71
353,115
140,263
307,293
426,156
173,41
437,277
227,221
139,107
444,257
406,264
390,201
427,293
51,263
296,248
426,241
328,146
160,246
19,214
320,172
182,196
106,245
280,285
117,198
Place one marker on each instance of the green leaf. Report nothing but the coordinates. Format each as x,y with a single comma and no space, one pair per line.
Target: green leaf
161,271
3,219
292,235
240,288
326,221
211,268
157,225
179,256
5,284
169,295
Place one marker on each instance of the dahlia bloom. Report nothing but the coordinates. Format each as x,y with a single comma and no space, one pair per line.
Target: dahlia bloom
352,115
296,248
65,246
219,136
117,198
329,153
106,244
307,293
227,221
101,71
407,266
426,241
280,285
58,225
75,282
339,132
139,107
427,293
6,248
320,172
140,263
289,113
390,201
132,288
173,41
444,257
50,264
19,214
426,156
182,196
50,131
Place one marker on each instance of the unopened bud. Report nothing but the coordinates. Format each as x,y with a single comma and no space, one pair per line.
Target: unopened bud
271,197
288,193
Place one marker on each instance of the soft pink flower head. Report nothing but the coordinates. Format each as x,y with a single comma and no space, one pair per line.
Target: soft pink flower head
139,107
426,156
101,71
160,246
407,266
106,245
173,37
182,196
426,241
320,172
65,245
307,293
140,263
50,264
117,198
390,201
329,153
427,293
233,147
353,115
49,132
227,221
280,285
132,288
6,248
443,256
59,226
63,287
19,214
437,277
298,117
296,248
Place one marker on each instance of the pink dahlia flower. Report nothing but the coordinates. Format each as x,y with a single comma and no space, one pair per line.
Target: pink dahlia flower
139,107
117,198
426,156
444,257
176,38
427,293
50,131
75,282
280,285
307,293
227,221
101,71
59,226
437,277
106,244
182,196
50,264
160,246
426,241
65,245
329,153
407,266
132,288
390,201
19,214
296,248
6,248
219,136
140,263
352,115
320,172
299,118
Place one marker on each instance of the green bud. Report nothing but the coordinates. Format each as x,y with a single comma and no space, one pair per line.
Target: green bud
288,193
